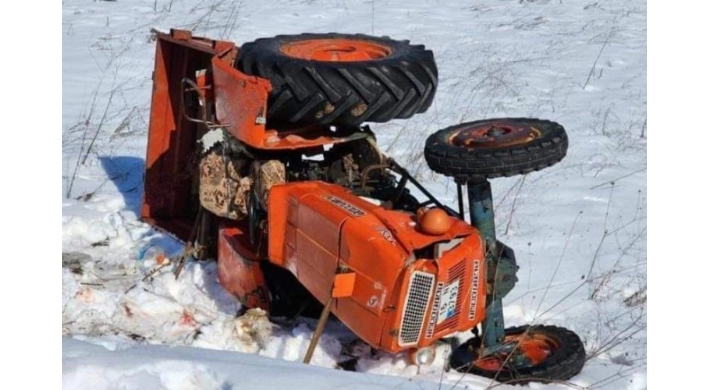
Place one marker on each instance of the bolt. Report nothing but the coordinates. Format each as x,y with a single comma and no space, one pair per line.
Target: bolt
495,131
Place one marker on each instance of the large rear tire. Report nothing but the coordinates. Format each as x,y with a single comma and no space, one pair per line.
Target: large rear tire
340,79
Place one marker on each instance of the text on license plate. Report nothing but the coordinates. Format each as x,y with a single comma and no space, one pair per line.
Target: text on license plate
447,307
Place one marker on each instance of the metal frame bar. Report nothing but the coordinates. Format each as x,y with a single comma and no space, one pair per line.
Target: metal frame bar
393,165
480,204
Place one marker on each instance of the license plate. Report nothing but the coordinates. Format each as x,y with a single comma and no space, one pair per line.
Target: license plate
447,306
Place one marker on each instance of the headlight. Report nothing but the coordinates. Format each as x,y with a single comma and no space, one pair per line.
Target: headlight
423,356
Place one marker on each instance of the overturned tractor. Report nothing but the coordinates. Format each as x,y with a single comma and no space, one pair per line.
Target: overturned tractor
258,158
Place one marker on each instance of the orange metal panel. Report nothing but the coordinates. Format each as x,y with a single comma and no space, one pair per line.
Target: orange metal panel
314,239
299,206
369,248
241,104
315,266
343,285
238,268
168,201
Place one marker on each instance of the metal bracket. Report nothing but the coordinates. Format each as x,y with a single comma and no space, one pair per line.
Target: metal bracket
480,203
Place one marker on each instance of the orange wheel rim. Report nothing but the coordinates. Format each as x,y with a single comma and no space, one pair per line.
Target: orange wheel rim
490,363
535,348
335,50
494,135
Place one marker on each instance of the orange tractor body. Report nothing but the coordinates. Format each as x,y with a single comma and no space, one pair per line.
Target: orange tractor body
338,245
335,243
313,211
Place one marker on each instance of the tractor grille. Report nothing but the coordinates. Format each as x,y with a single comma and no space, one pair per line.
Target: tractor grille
415,305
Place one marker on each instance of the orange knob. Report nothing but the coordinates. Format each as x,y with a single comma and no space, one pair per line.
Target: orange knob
434,221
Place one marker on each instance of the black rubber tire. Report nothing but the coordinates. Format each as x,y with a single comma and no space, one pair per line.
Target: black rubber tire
307,92
490,161
565,361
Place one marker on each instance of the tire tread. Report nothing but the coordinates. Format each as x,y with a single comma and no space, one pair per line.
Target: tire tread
341,93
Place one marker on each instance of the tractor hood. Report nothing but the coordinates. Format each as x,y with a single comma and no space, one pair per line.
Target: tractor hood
330,215
317,230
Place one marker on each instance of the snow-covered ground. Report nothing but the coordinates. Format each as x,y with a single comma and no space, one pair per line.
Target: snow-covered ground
578,228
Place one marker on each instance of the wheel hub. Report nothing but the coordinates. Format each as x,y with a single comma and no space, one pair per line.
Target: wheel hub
516,352
494,135
335,50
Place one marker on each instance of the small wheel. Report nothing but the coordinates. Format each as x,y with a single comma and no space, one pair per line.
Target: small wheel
340,79
496,147
538,353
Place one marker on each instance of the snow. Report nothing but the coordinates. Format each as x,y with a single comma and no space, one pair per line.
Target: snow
578,228
164,367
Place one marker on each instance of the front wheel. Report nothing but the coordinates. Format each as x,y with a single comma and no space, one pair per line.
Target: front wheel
539,353
496,147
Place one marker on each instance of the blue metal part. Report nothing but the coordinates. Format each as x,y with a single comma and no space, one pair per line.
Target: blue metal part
493,325
480,203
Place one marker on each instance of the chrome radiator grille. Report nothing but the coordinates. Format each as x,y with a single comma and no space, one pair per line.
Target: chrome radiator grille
420,288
